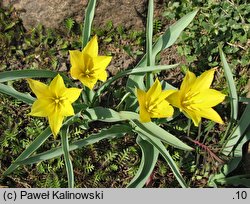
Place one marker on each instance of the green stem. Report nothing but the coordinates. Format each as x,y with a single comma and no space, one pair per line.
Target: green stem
149,41
68,163
189,127
88,19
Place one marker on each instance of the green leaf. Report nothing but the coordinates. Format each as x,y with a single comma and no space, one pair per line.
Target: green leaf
88,19
24,74
68,163
158,132
163,42
8,90
114,132
79,107
148,161
232,93
163,151
170,35
237,142
149,33
102,114
238,133
133,71
239,180
11,25
173,32
155,131
244,99
149,42
109,115
34,146
231,165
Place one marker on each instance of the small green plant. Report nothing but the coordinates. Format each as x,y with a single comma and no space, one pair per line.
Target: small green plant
69,24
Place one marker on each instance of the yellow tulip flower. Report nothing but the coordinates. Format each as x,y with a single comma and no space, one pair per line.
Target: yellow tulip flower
196,99
87,66
153,104
53,101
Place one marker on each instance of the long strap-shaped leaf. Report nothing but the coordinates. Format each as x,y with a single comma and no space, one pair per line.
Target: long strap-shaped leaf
163,151
148,161
113,132
109,115
234,146
22,74
30,73
233,98
237,135
8,90
163,42
149,42
68,163
170,36
238,153
156,131
234,101
34,146
238,180
88,19
132,71
231,165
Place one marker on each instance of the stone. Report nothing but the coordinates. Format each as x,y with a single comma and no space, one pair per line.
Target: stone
52,13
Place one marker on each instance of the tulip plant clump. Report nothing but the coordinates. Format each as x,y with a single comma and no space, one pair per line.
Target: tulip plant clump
76,95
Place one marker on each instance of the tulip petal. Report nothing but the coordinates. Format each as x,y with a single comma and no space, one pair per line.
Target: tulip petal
162,110
42,108
76,59
92,47
88,63
208,98
55,123
174,99
154,92
165,94
88,81
204,81
40,89
211,114
103,76
57,86
75,72
66,108
193,115
144,115
72,94
101,62
187,82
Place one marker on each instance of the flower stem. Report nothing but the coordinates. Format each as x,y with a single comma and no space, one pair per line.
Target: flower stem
68,163
149,41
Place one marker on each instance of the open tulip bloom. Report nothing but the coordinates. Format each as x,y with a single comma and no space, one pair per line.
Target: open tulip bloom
53,101
196,99
153,104
87,66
